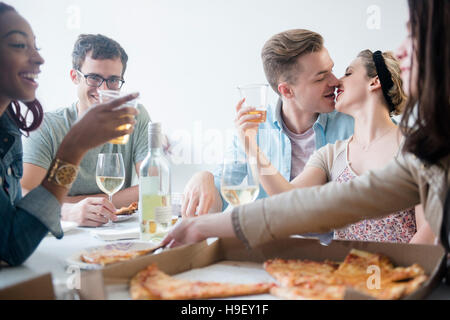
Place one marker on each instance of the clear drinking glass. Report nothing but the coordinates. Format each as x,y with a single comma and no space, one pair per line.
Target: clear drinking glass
110,173
255,96
239,191
107,95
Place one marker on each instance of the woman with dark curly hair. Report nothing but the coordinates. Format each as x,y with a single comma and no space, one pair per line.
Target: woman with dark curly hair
24,221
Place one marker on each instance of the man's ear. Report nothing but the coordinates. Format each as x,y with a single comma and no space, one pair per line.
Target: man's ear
74,76
375,84
285,90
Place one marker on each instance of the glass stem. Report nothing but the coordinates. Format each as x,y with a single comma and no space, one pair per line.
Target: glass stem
110,223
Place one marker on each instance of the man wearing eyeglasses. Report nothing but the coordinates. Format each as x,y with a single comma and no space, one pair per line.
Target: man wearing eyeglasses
98,63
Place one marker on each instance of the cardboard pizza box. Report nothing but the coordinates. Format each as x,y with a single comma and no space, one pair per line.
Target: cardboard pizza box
97,284
37,288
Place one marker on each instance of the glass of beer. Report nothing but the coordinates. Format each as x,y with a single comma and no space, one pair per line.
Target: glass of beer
107,95
255,96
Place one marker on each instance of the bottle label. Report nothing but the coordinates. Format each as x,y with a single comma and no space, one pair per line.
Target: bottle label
163,214
149,185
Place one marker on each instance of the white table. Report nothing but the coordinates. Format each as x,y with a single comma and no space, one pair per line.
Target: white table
51,255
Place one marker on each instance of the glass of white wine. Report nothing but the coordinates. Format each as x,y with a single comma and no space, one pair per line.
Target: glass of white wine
110,173
237,190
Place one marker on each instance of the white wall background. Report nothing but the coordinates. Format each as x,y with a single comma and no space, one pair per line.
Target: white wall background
187,57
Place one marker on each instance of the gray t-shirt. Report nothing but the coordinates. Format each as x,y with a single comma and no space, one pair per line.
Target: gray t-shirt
303,146
41,146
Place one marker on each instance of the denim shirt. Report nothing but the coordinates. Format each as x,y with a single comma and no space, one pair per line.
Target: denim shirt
274,142
24,221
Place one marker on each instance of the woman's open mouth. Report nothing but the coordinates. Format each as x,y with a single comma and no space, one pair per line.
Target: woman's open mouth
30,78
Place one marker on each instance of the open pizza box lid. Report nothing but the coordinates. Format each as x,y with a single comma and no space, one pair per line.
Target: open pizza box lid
95,284
36,288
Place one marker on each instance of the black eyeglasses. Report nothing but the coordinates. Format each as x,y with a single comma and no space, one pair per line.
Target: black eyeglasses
94,80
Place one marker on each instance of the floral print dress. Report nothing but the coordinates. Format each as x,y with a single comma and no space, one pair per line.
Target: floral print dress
397,227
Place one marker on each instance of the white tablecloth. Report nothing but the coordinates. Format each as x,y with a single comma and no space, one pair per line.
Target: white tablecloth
51,254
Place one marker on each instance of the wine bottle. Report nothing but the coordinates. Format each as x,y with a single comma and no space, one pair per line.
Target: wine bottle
154,189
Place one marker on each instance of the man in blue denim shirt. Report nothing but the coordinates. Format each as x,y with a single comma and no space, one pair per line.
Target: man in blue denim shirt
276,144
299,68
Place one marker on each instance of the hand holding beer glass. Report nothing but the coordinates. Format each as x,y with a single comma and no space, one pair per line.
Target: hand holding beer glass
255,96
107,95
251,111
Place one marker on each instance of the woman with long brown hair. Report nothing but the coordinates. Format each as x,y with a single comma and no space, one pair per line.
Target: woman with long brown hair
24,222
419,174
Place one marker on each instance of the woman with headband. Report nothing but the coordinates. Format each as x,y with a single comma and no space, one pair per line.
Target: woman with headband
419,174
371,92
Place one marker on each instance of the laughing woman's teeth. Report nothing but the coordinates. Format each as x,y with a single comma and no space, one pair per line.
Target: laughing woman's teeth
30,76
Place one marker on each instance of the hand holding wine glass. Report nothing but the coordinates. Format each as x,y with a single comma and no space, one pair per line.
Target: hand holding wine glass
251,110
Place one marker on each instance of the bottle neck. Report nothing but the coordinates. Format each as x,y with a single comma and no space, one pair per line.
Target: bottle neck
155,144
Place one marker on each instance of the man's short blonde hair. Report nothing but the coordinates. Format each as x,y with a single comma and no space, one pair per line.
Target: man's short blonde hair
281,52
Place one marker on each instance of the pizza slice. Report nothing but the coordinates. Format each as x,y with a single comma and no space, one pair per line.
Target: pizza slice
310,291
357,262
359,265
391,290
295,272
153,284
369,273
359,271
108,256
132,208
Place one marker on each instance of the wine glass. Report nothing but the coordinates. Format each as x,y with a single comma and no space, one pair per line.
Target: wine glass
243,189
110,173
